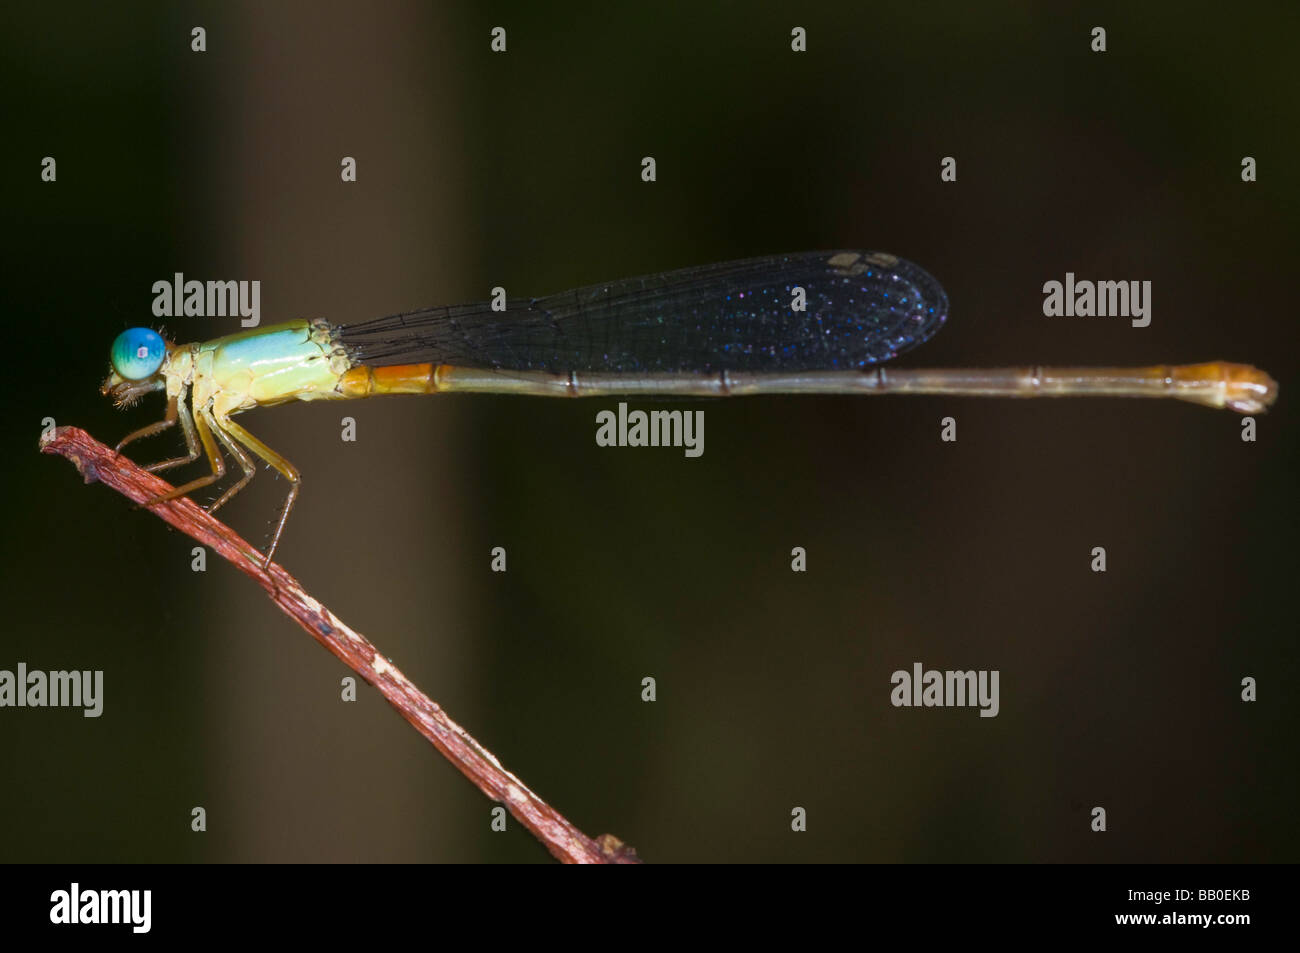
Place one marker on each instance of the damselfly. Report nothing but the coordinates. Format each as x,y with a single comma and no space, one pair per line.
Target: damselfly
808,323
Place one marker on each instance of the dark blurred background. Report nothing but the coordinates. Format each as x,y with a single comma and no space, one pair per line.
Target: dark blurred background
523,170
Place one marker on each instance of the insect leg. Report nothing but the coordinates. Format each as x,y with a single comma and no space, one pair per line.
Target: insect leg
287,469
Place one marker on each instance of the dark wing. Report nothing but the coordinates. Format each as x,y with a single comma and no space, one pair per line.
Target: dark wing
860,308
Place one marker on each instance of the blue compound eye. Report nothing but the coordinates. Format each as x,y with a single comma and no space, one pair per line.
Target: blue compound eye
137,353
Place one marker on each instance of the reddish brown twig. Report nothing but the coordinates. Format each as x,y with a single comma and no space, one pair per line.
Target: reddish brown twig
98,463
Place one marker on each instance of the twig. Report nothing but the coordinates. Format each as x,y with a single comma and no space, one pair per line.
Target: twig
97,462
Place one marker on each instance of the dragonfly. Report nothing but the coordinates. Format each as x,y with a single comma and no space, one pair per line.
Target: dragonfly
805,323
